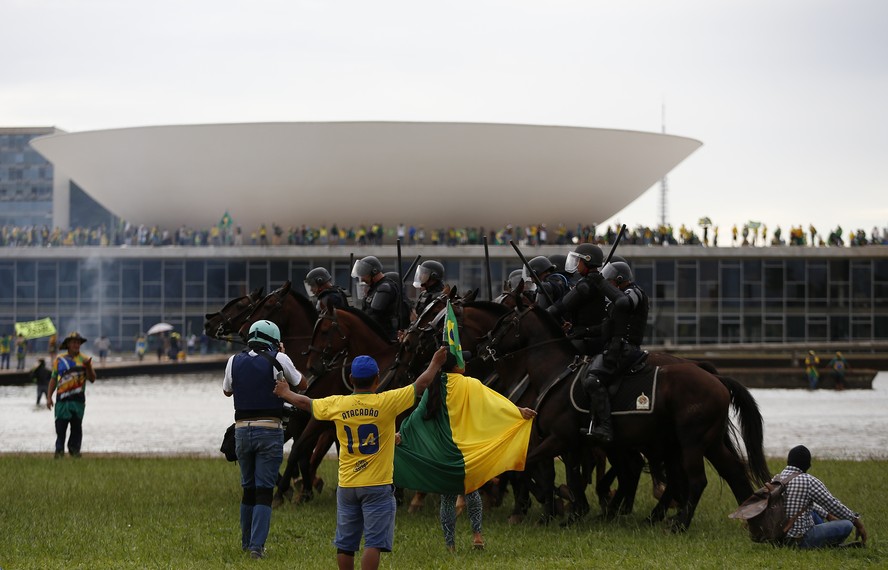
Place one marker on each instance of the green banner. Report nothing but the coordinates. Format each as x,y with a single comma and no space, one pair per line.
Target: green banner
35,329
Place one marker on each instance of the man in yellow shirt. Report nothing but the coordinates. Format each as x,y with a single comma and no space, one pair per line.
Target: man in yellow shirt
365,427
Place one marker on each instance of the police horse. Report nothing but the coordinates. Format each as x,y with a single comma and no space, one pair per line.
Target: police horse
682,421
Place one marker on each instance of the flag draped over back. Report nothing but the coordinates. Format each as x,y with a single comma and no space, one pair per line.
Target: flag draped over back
475,435
451,336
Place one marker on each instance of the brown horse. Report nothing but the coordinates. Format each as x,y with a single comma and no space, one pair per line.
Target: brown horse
295,316
689,423
337,337
229,319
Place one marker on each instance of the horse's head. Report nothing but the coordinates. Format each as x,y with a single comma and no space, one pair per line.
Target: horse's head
328,348
516,298
268,308
232,316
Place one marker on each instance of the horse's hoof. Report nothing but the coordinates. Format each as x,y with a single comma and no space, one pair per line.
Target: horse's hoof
288,495
303,498
678,527
516,519
318,485
559,507
277,500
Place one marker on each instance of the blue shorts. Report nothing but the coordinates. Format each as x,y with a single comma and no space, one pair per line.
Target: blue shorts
365,510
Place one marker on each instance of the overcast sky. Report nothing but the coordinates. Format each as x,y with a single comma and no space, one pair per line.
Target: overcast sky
789,97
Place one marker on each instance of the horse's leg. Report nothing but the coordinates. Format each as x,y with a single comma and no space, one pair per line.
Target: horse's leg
694,468
521,487
673,489
627,465
295,428
545,473
603,490
310,480
417,502
576,486
732,469
301,449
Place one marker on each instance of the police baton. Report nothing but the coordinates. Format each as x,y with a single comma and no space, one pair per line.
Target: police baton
532,273
351,282
616,243
410,269
487,263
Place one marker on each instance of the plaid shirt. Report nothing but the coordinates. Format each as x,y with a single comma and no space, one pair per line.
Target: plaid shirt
806,493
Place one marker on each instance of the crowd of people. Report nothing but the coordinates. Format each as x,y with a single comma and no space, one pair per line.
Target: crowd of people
751,234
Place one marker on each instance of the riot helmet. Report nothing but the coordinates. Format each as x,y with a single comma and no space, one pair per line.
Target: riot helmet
588,252
515,279
558,260
315,278
366,267
540,264
265,332
429,269
618,271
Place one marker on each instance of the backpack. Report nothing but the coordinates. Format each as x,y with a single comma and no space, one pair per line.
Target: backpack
765,512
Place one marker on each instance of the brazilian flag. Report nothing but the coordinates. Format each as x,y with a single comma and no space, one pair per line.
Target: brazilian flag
475,435
451,336
225,222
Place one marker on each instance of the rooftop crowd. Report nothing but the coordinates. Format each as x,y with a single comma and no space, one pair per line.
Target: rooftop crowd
126,234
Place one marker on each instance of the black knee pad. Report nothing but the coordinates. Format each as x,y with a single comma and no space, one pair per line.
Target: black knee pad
264,496
249,497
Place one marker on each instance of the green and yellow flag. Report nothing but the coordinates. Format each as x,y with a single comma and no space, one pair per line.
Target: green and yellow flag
451,336
473,435
225,222
35,329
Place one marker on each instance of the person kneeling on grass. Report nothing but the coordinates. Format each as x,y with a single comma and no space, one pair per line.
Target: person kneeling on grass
821,519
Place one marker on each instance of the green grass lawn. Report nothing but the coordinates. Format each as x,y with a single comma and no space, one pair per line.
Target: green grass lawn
127,512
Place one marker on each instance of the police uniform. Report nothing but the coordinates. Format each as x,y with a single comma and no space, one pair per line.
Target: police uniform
585,307
382,303
334,297
428,296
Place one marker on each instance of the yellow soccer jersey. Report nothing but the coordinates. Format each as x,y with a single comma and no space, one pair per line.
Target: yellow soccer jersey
365,426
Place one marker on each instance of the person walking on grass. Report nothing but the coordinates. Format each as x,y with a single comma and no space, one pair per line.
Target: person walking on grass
259,438
365,428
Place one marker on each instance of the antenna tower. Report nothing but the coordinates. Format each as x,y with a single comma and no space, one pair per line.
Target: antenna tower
664,184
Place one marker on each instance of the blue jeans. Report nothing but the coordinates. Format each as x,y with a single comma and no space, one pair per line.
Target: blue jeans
260,452
826,534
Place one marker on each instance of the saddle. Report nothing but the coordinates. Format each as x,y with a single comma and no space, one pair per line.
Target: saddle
633,393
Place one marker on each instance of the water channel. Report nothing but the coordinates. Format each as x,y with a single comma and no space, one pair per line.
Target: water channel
187,415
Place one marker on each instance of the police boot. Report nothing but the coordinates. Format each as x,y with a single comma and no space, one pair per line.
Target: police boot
600,427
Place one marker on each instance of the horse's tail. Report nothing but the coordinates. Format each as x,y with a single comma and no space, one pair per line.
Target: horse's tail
752,429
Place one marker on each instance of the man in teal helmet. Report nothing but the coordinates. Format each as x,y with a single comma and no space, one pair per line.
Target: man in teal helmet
250,377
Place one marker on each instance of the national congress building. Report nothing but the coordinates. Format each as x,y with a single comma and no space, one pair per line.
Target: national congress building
432,174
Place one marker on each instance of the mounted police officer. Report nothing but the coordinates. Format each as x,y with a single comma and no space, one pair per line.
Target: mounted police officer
624,333
319,284
584,306
380,294
429,280
553,283
250,377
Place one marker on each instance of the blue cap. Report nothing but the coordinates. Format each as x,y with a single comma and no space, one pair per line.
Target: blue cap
364,367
